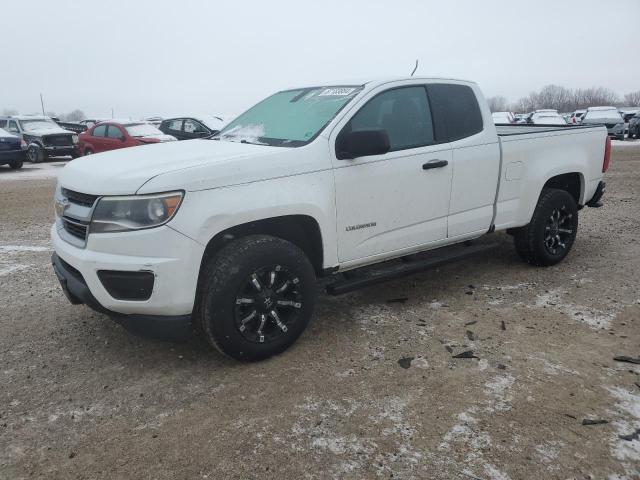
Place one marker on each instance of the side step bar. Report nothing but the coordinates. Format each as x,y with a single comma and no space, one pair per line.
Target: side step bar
373,276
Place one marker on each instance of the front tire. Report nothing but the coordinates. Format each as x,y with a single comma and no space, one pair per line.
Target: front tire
16,164
552,231
88,151
256,298
35,154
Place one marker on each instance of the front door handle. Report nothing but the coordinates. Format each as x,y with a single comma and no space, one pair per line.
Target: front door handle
435,164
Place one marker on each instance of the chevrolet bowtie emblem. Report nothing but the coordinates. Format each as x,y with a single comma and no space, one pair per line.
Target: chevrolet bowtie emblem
60,206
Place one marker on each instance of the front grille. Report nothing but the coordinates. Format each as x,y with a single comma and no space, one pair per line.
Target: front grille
610,125
75,228
59,140
78,198
8,145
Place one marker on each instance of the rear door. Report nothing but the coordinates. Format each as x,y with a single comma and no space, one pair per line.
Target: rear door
393,202
475,154
173,127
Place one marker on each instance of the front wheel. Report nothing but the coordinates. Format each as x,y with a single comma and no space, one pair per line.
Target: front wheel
35,154
256,297
552,231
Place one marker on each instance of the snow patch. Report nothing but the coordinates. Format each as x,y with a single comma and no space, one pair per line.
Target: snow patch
596,319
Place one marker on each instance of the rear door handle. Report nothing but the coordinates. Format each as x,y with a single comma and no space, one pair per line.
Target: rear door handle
435,164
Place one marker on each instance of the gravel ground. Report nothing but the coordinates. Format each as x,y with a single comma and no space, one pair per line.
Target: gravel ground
371,390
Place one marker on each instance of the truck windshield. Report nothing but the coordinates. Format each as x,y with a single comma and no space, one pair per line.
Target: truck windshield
603,115
291,118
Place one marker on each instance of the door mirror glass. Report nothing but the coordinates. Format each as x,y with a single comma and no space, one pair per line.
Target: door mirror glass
362,143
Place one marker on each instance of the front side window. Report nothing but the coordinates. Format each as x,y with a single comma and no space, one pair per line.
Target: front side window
100,131
402,112
191,126
13,127
456,111
291,118
114,132
3,123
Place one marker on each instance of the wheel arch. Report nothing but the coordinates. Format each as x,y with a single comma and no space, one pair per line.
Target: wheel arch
301,230
571,182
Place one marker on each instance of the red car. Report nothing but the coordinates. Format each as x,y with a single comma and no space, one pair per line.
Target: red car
111,135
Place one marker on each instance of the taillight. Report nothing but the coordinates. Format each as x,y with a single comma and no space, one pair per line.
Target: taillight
607,154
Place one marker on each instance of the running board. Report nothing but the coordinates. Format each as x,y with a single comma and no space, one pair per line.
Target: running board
371,276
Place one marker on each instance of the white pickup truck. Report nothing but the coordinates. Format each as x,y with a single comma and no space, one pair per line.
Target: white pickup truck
225,236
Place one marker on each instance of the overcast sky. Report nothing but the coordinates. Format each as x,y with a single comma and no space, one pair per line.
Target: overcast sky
166,57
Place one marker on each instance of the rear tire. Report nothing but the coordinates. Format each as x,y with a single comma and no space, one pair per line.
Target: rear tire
16,164
256,297
552,231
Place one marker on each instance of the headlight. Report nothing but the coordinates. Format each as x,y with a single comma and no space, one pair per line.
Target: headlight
121,214
74,138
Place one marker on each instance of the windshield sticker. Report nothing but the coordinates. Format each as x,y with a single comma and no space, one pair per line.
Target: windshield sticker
341,92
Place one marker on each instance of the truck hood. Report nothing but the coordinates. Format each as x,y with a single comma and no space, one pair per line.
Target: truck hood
52,130
186,165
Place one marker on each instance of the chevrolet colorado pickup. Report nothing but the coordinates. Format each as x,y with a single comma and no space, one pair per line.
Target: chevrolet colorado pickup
225,236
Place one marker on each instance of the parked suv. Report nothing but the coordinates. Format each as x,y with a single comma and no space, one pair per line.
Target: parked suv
44,137
113,135
634,126
608,116
188,128
12,149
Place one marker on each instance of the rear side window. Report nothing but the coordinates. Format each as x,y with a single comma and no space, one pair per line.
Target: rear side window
100,131
456,111
3,123
404,114
175,124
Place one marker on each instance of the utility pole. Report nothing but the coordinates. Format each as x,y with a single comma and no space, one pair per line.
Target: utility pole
42,104
111,112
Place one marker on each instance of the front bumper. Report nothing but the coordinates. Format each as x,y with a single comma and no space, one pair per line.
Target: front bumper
174,327
55,151
172,258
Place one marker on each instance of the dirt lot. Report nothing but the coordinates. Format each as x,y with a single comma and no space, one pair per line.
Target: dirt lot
82,398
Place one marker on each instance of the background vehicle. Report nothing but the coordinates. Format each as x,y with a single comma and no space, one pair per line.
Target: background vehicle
576,117
12,149
634,126
155,121
520,117
188,128
533,115
548,118
503,117
112,135
627,115
228,235
43,136
608,116
90,122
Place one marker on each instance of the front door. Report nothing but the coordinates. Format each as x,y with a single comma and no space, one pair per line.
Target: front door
400,200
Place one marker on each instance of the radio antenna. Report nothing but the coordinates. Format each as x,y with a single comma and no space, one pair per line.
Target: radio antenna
415,68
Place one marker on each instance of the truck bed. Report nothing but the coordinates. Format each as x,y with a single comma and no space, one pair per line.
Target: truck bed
505,129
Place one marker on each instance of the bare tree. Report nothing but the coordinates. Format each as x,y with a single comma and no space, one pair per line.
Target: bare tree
497,104
73,116
632,99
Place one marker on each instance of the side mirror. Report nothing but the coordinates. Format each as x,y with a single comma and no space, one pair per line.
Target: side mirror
362,143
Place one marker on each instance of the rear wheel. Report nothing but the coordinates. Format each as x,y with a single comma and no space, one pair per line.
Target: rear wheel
256,298
16,164
35,154
552,231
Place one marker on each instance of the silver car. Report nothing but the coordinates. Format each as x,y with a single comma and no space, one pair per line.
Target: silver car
608,116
